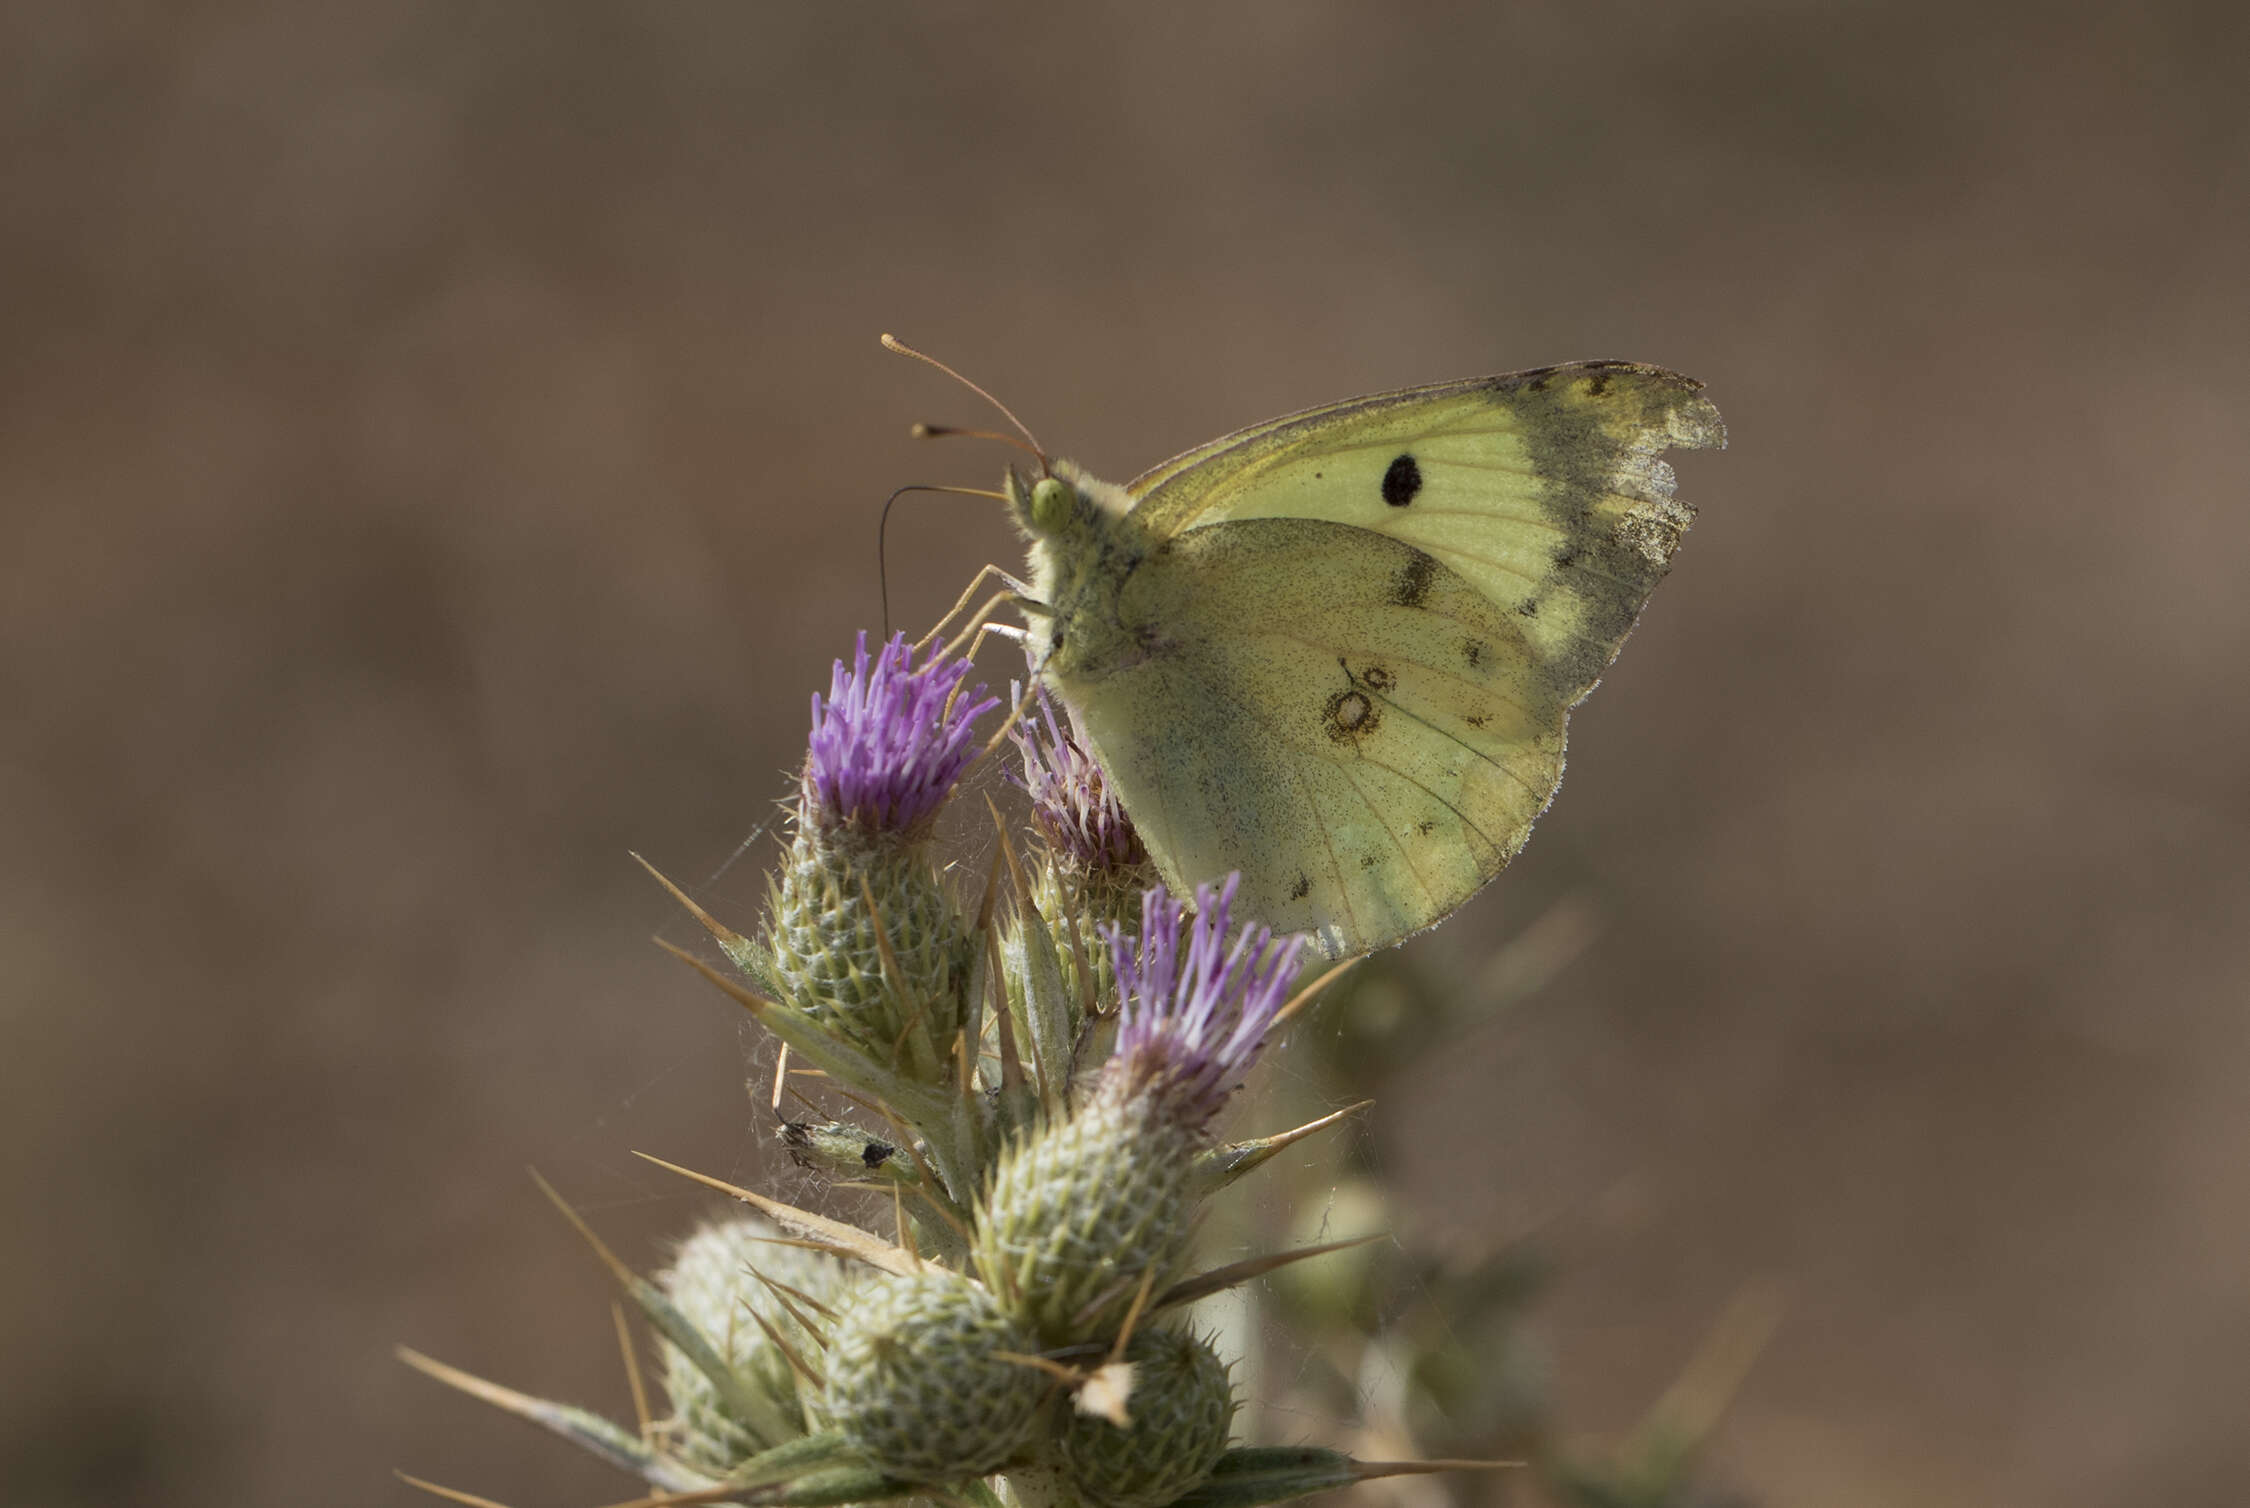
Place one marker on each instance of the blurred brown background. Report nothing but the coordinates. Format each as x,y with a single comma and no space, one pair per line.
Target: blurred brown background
439,451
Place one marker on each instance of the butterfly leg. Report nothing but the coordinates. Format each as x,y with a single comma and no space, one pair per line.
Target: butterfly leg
976,583
972,633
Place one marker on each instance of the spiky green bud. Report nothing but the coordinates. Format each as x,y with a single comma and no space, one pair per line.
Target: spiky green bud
711,1283
1179,1409
915,1383
1081,1210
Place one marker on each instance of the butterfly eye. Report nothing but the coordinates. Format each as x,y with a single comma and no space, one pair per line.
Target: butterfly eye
1051,502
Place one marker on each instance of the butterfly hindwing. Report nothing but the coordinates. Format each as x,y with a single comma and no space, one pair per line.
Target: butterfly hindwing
1352,735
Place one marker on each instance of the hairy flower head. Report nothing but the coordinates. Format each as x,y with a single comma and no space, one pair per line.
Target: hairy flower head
891,738
1193,1009
1077,812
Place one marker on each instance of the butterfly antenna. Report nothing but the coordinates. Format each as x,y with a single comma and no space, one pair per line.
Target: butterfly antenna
922,431
882,527
893,343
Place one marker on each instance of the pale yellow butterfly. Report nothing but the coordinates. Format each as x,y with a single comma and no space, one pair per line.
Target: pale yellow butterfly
1337,652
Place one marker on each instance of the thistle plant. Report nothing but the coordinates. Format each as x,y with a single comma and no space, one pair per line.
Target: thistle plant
1020,1336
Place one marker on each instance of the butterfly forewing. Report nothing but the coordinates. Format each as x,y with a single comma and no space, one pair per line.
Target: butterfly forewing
1546,489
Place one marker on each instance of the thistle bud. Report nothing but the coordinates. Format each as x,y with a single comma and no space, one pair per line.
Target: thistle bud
1096,866
1179,1411
915,1381
888,743
1083,1209
712,1284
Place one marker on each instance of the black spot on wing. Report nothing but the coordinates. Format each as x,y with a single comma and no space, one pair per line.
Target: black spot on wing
1378,678
1411,586
1473,652
1402,481
1302,888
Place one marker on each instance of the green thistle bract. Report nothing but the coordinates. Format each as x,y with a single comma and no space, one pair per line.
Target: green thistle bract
1180,1409
827,944
915,1384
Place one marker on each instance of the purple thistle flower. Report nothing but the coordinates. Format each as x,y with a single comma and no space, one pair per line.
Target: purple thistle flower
1194,1011
1070,797
885,748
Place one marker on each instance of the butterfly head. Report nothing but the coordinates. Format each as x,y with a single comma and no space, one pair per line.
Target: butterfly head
1062,501
1083,547
1050,506
1042,506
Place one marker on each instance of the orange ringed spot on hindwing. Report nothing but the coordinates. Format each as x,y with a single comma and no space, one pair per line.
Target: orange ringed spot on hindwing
1349,715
